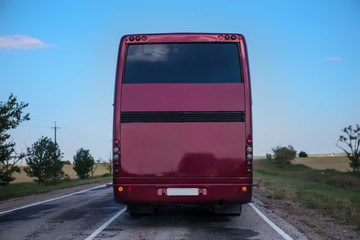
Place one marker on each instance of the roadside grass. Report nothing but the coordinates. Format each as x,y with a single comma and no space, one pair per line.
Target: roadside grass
332,193
16,190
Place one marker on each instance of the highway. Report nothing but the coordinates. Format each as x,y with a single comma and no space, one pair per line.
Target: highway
93,214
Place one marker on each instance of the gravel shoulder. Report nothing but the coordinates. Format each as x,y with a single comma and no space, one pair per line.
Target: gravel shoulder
309,221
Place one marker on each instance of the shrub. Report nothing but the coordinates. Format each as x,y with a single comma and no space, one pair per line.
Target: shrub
83,163
67,162
303,154
44,161
284,154
268,156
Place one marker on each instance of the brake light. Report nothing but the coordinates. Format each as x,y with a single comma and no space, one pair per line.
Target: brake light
116,142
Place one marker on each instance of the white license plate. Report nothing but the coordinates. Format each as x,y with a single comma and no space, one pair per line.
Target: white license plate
182,192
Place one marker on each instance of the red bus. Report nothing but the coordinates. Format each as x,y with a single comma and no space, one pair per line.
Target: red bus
182,130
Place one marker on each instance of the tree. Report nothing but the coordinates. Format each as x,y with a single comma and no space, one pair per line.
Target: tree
303,154
83,163
284,154
268,156
11,115
350,145
44,161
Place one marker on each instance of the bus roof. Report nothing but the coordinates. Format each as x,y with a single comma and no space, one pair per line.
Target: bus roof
181,37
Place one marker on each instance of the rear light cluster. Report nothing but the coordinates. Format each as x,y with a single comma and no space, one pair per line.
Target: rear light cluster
137,38
227,37
121,189
116,156
249,156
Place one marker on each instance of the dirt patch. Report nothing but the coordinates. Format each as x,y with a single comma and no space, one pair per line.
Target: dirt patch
312,223
321,163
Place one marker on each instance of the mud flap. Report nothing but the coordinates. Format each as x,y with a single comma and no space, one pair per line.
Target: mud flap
233,209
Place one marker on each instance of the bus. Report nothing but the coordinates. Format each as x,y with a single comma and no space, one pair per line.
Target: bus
182,124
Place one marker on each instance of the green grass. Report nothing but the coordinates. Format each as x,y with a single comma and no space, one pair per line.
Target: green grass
16,190
313,188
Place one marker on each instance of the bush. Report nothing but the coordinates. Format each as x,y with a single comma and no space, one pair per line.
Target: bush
268,156
284,154
44,161
67,162
303,154
83,163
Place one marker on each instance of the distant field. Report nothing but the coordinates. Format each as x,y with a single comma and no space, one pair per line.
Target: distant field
321,163
68,169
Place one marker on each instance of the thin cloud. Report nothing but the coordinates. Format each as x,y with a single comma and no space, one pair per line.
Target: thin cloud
21,42
334,59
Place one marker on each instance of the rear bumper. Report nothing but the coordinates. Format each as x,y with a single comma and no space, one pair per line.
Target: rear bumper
157,193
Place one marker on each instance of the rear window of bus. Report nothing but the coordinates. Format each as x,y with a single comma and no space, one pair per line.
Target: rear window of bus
182,63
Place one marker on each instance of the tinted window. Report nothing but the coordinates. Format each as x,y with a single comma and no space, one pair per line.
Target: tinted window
182,63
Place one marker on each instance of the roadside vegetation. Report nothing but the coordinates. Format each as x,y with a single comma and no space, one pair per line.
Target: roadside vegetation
11,115
44,161
349,142
335,194
17,190
84,163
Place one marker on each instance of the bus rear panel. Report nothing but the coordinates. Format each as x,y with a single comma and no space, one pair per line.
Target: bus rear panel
182,129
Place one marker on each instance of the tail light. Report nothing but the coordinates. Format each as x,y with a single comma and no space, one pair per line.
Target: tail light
116,156
249,156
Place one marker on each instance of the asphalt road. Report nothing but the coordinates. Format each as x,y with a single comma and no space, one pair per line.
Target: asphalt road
80,215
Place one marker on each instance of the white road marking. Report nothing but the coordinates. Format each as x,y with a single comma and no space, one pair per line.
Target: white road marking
99,230
49,200
276,228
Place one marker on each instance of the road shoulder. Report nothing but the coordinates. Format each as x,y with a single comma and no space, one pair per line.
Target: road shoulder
19,202
309,221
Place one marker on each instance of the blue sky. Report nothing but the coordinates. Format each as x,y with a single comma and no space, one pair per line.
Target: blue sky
60,57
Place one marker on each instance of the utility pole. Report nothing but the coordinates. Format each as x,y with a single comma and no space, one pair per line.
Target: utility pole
55,130
55,139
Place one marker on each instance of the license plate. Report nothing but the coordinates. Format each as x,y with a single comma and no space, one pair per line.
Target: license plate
182,192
